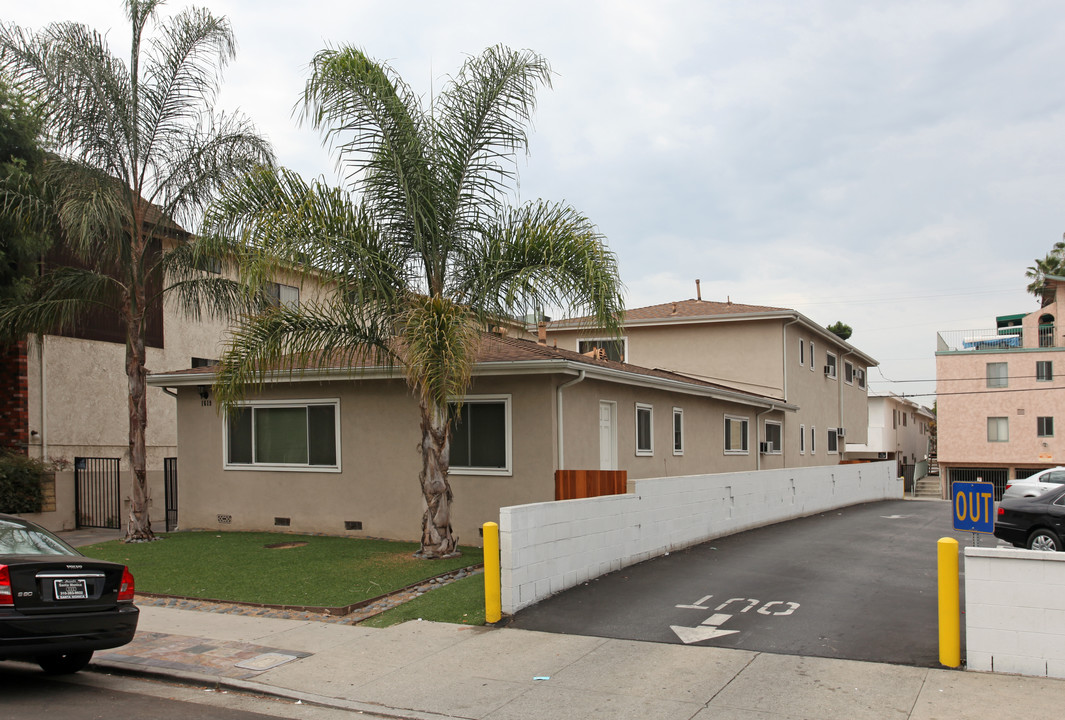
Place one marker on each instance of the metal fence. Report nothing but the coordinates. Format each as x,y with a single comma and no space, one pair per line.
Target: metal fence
999,477
97,496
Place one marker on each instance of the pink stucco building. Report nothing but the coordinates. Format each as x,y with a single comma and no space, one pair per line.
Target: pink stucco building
998,396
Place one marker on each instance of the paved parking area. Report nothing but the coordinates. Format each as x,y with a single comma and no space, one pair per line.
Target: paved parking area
858,583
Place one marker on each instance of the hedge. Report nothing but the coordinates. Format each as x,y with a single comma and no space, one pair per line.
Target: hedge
20,484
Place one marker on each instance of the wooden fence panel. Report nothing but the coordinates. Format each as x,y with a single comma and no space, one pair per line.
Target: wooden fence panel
574,484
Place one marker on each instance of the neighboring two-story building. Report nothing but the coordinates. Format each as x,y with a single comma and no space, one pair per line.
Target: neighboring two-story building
771,351
998,395
899,430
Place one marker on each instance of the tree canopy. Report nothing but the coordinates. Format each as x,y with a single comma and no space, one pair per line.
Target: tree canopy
422,249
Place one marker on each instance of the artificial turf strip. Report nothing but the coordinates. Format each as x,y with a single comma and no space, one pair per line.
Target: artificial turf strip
460,602
237,566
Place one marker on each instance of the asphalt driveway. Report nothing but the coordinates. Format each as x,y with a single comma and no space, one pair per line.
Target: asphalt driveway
859,583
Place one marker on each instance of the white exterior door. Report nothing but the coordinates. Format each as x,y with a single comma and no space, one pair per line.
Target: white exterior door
608,436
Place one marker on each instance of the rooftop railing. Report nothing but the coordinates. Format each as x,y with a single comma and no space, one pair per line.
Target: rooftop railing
993,340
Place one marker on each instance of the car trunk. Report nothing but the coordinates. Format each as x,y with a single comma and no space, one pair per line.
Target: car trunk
66,585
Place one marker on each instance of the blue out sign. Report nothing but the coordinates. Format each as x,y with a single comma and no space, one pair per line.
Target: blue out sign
974,507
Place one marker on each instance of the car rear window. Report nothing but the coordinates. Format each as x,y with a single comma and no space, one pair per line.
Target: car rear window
17,539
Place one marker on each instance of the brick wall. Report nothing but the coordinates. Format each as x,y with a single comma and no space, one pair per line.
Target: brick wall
14,398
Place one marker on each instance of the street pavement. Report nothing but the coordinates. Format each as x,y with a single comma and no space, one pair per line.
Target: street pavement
437,670
434,670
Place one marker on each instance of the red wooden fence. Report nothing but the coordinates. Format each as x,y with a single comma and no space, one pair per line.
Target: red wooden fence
573,484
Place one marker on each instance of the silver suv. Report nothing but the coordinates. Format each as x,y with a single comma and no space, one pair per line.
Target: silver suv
1037,484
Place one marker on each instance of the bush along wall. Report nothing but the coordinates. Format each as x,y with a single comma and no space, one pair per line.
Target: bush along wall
20,484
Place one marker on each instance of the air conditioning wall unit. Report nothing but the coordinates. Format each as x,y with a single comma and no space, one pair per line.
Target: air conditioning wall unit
881,456
829,370
840,432
765,447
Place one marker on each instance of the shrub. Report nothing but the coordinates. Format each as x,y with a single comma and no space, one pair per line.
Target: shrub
20,483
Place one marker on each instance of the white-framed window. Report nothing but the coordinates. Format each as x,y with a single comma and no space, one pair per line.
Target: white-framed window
736,428
998,429
802,439
481,435
678,431
802,352
830,365
832,448
997,375
774,437
615,349
301,435
1044,426
848,372
860,373
645,429
813,357
813,440
279,295
1044,370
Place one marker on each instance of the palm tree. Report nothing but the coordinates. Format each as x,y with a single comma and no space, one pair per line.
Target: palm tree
427,256
137,151
1052,264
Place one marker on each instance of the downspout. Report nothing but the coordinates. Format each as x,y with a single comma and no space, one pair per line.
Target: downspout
168,391
558,410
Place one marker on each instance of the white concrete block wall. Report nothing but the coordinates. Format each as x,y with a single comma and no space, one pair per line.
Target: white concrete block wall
1015,611
553,546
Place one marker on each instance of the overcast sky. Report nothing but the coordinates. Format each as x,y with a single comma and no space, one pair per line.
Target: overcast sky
894,165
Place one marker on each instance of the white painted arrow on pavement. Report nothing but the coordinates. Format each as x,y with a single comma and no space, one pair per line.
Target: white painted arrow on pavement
689,635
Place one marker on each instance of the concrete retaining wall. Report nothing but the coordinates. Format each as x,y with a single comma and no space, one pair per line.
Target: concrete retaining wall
1015,611
549,547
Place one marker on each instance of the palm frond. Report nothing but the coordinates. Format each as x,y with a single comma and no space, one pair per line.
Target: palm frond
57,301
378,126
291,341
484,113
542,255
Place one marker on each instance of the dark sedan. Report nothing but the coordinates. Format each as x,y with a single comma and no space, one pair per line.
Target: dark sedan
56,605
1036,523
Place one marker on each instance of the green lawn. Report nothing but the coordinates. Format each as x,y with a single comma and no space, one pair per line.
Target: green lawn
326,572
460,602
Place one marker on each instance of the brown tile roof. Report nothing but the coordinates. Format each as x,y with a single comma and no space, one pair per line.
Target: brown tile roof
682,309
497,349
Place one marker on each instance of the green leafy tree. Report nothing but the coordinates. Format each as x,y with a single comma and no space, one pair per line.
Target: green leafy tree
1052,264
840,330
427,255
22,239
138,151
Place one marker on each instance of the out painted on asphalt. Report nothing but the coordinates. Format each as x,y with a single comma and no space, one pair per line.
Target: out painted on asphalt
710,628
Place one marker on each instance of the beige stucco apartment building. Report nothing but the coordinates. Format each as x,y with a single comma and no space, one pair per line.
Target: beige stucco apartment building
532,409
998,395
775,352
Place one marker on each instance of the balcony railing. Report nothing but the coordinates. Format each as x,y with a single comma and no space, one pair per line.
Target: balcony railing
993,340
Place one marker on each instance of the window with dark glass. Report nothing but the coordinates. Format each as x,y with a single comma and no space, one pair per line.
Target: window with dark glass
644,430
1045,426
290,435
479,435
1044,370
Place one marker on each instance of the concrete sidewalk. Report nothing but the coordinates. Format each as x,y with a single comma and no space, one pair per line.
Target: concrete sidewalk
434,670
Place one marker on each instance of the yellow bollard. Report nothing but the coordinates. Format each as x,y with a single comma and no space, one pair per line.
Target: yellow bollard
949,603
493,606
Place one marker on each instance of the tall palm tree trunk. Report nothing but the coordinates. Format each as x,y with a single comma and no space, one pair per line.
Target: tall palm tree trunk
437,538
138,527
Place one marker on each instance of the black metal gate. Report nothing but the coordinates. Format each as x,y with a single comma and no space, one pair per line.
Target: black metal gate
97,497
999,477
170,491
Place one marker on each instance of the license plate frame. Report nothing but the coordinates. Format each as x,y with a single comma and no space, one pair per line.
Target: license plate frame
70,589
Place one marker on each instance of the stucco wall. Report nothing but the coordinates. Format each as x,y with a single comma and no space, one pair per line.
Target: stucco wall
548,547
965,403
1015,611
